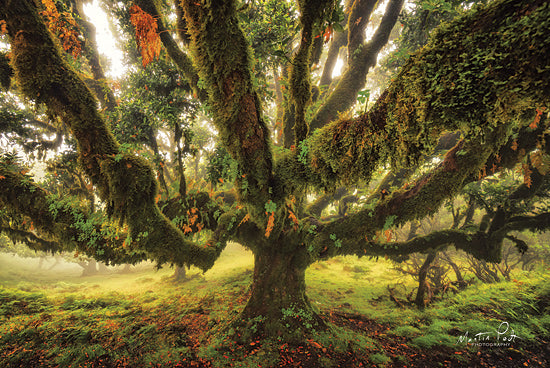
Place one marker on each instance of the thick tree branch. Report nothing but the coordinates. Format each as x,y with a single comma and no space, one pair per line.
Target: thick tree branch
501,78
359,64
71,228
222,52
57,230
425,197
540,222
126,183
396,178
478,244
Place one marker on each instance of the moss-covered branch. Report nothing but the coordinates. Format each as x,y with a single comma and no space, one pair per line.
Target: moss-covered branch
65,226
126,183
223,58
312,14
421,199
478,244
462,165
31,240
485,69
53,226
540,222
362,58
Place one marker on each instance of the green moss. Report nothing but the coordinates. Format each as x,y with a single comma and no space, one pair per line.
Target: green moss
224,64
126,183
6,71
469,77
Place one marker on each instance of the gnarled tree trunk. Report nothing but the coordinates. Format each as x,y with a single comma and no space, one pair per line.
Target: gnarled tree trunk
278,305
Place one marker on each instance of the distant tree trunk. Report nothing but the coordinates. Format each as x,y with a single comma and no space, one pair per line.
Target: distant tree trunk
415,225
180,273
459,278
126,268
57,257
278,301
420,300
102,267
89,268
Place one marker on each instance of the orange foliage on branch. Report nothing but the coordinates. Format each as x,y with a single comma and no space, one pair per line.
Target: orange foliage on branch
270,224
527,175
147,36
64,26
536,122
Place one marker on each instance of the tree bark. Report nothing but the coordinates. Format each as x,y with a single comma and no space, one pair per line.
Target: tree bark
278,304
422,282
89,268
458,274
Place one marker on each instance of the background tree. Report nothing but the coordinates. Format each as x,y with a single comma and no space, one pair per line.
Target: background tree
484,74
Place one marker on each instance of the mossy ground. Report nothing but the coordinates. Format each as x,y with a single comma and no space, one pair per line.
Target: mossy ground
142,319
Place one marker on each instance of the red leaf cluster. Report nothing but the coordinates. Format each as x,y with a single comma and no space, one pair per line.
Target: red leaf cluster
147,36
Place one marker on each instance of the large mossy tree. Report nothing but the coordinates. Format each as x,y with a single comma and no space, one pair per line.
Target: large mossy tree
485,74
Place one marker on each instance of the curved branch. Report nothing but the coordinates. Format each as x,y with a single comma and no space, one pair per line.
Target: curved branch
126,183
423,198
360,62
443,87
56,229
429,192
74,229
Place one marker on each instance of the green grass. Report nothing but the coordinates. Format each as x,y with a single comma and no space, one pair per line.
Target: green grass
57,318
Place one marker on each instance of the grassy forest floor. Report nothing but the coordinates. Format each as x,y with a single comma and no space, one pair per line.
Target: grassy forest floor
55,318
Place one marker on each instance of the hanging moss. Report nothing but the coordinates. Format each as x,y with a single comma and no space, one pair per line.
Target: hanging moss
126,183
471,77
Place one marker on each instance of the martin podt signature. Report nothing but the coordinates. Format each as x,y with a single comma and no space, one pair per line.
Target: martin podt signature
502,336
